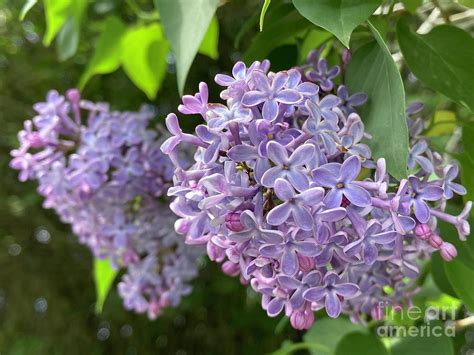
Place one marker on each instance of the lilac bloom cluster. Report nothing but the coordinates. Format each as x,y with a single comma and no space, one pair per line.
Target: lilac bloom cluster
285,194
104,174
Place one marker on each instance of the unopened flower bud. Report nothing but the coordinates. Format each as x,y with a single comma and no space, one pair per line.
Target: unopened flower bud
306,263
302,319
423,231
231,269
73,95
232,222
448,251
436,241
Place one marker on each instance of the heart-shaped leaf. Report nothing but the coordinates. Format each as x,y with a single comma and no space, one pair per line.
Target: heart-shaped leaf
185,23
340,17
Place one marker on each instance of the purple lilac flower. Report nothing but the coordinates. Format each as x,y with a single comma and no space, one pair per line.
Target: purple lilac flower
105,177
278,195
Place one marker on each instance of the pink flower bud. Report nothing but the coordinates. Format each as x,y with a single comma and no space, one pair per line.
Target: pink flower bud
306,263
73,95
232,222
423,231
302,319
231,269
436,241
448,251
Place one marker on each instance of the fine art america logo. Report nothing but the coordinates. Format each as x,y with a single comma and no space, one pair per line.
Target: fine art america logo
437,321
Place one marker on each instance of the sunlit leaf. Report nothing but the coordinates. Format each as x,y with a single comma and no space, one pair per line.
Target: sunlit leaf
144,51
358,343
26,8
327,332
104,275
373,71
185,23
340,17
107,54
442,59
265,6
209,45
444,123
56,13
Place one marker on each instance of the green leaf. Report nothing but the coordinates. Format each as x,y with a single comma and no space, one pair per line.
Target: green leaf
327,332
373,71
424,345
412,5
26,8
144,51
467,3
56,12
442,59
185,23
210,43
461,278
281,31
67,41
68,38
444,123
265,7
340,17
439,275
466,160
107,54
104,275
357,343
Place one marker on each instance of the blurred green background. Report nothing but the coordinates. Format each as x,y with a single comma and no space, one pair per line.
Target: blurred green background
46,286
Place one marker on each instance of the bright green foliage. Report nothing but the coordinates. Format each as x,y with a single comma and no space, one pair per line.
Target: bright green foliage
143,57
327,332
444,123
340,17
107,55
210,43
185,23
104,275
357,343
373,71
265,6
442,59
56,12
